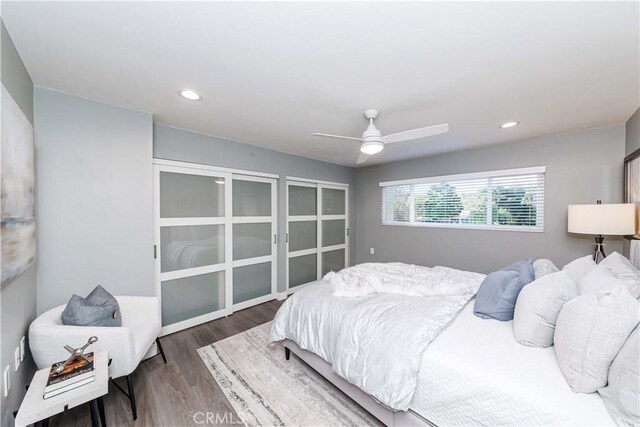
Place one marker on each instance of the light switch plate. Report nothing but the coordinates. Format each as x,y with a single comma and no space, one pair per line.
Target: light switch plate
22,342
16,358
372,251
7,381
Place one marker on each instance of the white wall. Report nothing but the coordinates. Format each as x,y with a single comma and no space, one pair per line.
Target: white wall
94,198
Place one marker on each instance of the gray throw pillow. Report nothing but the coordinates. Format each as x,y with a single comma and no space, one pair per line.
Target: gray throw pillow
99,308
622,395
496,298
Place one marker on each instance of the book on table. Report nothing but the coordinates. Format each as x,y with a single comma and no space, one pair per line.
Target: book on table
76,374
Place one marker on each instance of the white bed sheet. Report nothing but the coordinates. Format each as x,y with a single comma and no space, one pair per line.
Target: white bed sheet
475,373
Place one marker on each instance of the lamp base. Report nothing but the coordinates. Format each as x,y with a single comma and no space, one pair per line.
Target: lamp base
598,254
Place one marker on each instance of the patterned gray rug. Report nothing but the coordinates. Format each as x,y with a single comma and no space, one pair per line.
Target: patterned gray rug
267,390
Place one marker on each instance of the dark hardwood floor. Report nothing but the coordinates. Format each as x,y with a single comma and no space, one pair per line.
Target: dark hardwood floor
170,395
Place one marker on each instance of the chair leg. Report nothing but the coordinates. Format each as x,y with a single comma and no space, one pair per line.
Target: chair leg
161,350
287,353
132,397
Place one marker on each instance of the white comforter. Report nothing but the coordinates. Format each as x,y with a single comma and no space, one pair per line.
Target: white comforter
376,341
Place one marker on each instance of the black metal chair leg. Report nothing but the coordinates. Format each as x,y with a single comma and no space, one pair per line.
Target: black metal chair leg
95,418
103,418
132,397
161,350
287,353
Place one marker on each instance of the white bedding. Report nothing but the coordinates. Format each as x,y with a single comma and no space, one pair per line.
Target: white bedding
475,373
376,341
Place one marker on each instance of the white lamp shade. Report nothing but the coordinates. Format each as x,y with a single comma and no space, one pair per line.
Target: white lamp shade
613,219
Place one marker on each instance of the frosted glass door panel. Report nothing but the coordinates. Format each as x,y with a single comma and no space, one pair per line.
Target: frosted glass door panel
189,196
302,269
333,202
251,240
302,235
333,232
189,246
251,198
186,298
332,261
251,281
302,200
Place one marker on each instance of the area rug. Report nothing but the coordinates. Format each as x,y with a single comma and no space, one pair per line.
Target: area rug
267,390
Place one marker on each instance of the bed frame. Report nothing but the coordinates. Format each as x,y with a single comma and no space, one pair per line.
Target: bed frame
387,416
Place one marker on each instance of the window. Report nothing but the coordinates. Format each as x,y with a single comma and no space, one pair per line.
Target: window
502,200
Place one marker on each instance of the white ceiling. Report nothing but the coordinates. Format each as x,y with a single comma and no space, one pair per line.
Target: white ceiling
272,73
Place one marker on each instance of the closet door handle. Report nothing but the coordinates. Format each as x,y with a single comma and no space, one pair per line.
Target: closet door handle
275,239
286,237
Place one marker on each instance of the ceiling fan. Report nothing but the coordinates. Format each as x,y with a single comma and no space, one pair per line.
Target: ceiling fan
373,142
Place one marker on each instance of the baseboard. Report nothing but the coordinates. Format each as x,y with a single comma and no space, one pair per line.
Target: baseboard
281,296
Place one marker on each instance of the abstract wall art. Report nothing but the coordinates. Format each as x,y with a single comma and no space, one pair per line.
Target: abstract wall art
18,226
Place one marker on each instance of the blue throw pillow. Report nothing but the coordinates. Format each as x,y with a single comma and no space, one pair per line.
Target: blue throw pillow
496,298
99,308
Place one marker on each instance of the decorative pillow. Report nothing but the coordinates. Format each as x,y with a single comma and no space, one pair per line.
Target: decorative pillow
599,278
622,395
623,270
580,267
538,306
99,308
590,331
496,298
542,267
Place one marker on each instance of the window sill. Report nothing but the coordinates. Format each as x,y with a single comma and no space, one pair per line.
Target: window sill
469,227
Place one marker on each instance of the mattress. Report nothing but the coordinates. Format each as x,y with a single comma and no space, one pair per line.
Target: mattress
475,373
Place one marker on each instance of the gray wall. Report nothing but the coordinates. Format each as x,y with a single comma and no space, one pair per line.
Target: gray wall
581,167
95,211
18,299
633,133
176,144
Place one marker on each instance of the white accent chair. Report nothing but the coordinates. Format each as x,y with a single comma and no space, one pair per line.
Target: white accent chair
127,345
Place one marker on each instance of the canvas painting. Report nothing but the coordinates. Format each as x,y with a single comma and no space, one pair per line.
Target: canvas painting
18,227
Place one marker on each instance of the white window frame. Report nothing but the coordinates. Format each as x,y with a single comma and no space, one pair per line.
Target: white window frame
469,176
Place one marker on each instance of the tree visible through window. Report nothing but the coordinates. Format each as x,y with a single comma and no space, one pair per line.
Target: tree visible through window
516,201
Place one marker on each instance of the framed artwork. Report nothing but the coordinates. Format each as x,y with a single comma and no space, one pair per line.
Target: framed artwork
18,226
632,185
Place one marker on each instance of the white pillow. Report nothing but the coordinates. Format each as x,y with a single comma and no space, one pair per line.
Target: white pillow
538,306
623,270
597,279
579,267
590,331
622,395
543,266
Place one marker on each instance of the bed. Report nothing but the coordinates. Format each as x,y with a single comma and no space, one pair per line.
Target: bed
472,372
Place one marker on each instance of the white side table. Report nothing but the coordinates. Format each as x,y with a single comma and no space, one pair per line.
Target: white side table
35,408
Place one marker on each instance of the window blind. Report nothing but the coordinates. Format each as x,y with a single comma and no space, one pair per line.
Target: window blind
509,199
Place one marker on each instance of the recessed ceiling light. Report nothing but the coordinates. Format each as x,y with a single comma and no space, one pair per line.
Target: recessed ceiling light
509,125
190,95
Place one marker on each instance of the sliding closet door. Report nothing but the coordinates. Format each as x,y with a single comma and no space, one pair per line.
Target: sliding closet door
302,233
317,231
193,243
254,240
334,252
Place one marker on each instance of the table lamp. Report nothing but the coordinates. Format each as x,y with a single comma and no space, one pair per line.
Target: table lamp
613,219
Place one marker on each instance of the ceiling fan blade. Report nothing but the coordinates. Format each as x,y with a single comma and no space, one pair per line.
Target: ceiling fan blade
408,135
327,135
362,158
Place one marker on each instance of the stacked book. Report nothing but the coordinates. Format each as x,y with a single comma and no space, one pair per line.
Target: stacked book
76,374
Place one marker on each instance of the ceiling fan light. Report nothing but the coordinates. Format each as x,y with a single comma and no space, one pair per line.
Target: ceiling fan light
371,147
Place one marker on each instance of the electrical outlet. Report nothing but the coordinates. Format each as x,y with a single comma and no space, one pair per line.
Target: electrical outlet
372,251
22,342
7,381
16,358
